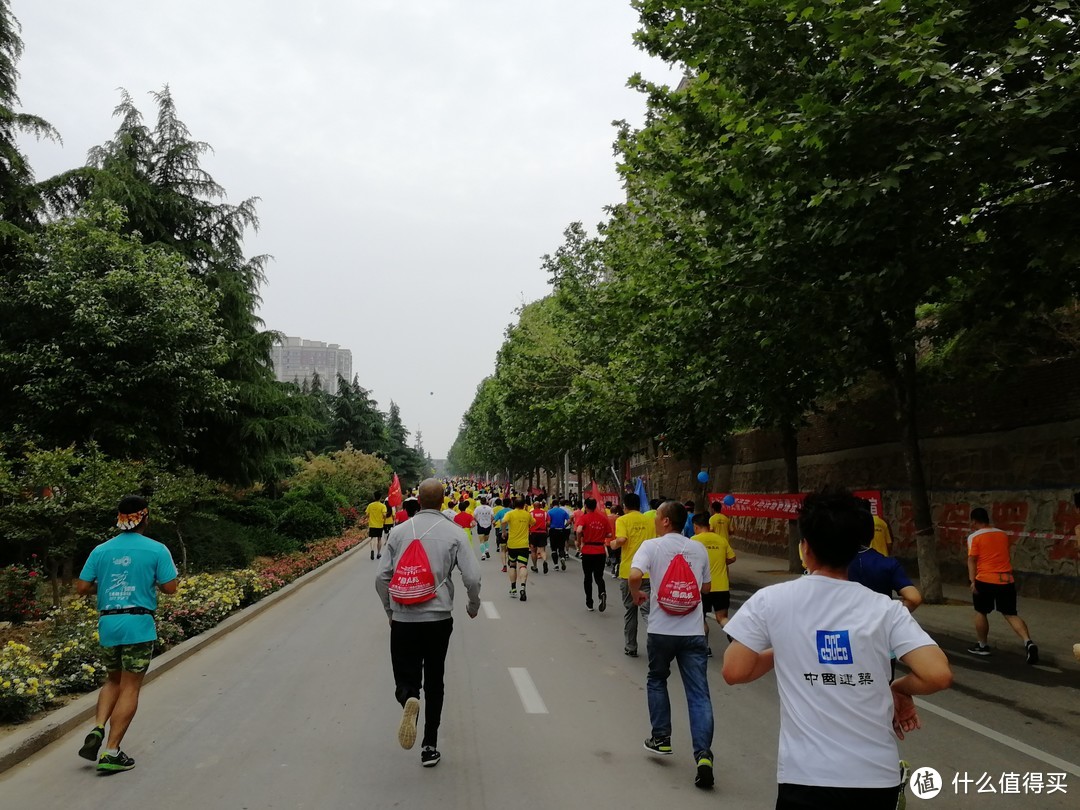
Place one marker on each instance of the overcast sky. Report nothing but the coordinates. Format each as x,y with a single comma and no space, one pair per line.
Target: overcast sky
415,158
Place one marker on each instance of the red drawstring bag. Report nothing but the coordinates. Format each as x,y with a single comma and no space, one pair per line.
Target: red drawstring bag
413,582
679,593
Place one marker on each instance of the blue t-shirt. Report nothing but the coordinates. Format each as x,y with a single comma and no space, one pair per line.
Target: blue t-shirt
500,513
688,527
559,517
127,569
878,572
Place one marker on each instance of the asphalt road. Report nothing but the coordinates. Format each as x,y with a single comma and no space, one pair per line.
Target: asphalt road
296,710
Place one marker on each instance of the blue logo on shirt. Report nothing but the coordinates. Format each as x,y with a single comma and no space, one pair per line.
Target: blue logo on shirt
833,647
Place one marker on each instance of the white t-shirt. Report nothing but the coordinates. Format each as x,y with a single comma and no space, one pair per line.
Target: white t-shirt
449,513
484,516
832,641
653,557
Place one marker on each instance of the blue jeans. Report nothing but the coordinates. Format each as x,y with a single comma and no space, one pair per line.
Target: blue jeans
692,654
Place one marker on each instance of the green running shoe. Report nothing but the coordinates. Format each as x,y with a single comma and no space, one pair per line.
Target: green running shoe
114,763
92,744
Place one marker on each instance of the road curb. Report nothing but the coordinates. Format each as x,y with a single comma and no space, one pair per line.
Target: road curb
36,735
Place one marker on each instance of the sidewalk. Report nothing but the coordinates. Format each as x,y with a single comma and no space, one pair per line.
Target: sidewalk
1055,626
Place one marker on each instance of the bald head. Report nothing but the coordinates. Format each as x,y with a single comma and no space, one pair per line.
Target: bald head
430,493
672,515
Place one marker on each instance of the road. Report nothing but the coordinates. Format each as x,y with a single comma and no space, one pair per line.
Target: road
295,710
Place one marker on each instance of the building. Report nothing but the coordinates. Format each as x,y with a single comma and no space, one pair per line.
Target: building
296,359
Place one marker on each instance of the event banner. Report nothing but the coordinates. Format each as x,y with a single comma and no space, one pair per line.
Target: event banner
784,506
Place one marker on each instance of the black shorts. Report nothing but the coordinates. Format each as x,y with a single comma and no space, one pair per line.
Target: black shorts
373,532
559,537
483,530
517,556
799,797
716,600
537,540
988,596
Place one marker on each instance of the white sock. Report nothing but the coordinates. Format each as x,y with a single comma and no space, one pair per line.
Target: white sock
112,752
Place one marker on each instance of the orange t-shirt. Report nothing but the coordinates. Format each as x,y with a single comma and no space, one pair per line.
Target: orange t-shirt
990,547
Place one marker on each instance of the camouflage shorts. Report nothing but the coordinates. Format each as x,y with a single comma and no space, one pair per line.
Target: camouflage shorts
128,657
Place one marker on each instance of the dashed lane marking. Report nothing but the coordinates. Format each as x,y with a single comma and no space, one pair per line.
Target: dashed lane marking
490,610
527,691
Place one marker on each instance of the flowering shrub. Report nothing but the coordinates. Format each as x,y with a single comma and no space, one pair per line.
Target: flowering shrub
65,657
24,687
18,593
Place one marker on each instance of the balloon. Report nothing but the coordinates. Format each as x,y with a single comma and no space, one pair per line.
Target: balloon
729,500
703,477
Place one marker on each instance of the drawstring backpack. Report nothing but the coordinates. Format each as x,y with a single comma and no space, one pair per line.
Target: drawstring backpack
413,581
679,592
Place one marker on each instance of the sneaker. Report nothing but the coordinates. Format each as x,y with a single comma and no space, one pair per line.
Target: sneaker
378,556
631,653
708,653
406,734
522,597
704,778
92,744
533,569
504,569
562,563
429,756
905,773
659,745
545,566
589,607
603,601
979,649
114,763
1032,652
513,593
373,554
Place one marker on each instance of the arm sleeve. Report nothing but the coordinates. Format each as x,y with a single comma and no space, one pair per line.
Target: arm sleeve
470,574
385,573
749,626
166,568
89,569
905,634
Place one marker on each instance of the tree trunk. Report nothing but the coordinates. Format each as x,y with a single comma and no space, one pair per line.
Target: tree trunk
789,441
580,483
183,552
54,580
905,392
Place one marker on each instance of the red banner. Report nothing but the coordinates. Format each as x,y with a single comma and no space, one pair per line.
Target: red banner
602,497
394,495
783,506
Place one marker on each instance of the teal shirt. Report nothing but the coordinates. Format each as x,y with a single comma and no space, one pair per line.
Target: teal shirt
128,569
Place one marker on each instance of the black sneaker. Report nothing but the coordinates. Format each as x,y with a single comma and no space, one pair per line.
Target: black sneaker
631,653
603,601
659,745
534,569
373,554
429,756
562,563
92,744
979,649
588,607
522,597
114,763
704,778
545,566
1032,652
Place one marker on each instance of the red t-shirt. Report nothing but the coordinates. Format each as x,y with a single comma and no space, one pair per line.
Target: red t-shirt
401,516
464,520
595,529
541,521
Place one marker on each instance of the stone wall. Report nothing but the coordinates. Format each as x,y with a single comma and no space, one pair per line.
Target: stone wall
1012,446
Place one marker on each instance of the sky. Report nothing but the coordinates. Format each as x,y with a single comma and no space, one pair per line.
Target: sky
414,159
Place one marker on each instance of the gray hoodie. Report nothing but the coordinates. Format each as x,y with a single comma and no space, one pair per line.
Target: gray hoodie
446,546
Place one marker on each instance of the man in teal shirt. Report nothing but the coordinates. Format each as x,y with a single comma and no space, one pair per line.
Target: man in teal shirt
126,572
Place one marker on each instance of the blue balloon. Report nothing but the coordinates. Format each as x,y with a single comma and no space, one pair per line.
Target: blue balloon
729,500
703,477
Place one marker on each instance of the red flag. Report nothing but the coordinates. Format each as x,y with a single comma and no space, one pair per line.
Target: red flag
595,494
394,495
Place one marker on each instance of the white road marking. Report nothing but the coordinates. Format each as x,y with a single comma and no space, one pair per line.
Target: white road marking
997,736
1045,668
527,691
489,610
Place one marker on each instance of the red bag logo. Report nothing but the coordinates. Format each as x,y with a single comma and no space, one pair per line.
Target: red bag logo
679,593
413,582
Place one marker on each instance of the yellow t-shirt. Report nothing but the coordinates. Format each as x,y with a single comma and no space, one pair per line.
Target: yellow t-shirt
376,515
636,528
518,523
388,521
718,524
882,537
720,554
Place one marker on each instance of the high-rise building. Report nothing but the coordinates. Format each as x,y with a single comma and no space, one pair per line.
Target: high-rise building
296,359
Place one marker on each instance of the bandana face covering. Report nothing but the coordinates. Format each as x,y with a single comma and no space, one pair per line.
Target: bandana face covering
129,522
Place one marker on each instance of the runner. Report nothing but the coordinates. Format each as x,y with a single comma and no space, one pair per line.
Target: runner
559,521
631,530
376,519
485,517
538,536
465,521
451,509
126,572
518,523
501,510
719,523
718,600
593,535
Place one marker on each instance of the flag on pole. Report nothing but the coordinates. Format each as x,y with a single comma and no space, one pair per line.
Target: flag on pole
639,489
595,493
394,495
